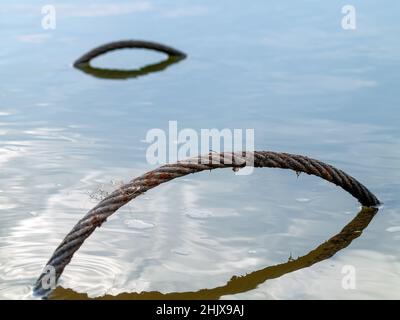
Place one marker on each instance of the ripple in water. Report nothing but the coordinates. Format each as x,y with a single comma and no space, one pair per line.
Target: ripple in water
138,224
199,213
393,229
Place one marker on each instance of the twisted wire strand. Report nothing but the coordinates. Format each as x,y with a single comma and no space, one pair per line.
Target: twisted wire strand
236,160
123,44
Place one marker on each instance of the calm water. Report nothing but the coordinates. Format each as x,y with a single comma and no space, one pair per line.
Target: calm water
286,69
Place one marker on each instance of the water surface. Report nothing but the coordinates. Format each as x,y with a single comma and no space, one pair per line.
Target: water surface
286,69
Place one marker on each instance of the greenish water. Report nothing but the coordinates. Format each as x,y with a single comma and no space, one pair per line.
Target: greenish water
287,70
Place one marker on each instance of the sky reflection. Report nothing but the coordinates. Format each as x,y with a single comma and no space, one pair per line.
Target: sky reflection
287,70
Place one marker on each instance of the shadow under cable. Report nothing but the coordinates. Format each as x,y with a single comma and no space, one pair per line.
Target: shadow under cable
118,74
240,284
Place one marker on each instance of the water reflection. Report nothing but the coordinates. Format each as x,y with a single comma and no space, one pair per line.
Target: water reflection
250,281
302,82
117,74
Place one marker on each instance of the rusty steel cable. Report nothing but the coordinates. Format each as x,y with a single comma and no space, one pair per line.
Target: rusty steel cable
125,44
236,160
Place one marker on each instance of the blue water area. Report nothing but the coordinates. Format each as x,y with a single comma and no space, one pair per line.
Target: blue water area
288,70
